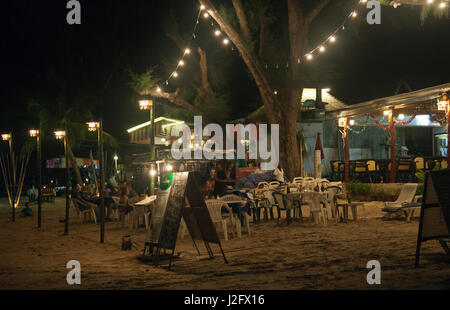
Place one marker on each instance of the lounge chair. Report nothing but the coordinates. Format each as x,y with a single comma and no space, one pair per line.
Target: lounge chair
405,203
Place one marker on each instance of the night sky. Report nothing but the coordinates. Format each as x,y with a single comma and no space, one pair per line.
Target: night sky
93,58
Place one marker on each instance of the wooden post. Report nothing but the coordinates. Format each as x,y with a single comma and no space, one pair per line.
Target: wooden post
152,149
448,134
66,226
347,153
102,183
39,167
393,146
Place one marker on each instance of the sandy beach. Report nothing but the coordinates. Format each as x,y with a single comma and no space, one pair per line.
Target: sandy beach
302,256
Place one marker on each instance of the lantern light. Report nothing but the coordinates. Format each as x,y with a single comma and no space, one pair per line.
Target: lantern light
145,104
60,134
34,133
93,126
6,137
342,122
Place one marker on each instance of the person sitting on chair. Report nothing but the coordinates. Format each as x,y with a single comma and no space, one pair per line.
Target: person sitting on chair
81,202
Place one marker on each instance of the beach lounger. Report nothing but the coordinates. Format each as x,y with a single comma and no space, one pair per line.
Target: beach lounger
406,202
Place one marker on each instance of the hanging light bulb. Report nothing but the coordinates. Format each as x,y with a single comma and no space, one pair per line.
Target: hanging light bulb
322,49
332,39
442,5
352,122
158,89
181,63
187,51
430,1
175,74
206,15
309,57
217,33
202,7
354,14
226,41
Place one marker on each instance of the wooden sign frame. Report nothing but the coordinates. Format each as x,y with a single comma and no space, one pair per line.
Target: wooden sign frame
435,212
184,201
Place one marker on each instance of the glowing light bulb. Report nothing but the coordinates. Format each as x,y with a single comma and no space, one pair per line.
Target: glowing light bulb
202,7
332,39
181,63
352,122
354,14
322,49
175,74
187,51
430,1
442,5
206,15
401,116
217,33
226,41
158,89
309,56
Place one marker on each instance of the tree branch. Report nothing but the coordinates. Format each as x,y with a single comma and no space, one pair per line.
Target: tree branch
240,12
204,69
175,98
316,11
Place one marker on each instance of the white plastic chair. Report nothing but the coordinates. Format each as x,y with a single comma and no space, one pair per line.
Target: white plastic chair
83,214
314,200
236,199
215,211
136,214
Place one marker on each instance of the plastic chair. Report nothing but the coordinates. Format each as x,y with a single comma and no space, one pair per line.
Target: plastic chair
89,212
315,200
283,204
231,198
215,211
136,214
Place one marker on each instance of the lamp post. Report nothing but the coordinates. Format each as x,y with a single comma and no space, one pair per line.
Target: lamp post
116,158
62,135
146,104
93,127
8,137
36,134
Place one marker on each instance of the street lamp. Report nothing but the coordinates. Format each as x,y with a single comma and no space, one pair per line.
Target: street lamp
36,134
8,137
61,135
116,158
93,127
146,104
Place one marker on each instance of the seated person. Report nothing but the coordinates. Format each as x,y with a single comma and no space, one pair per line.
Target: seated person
124,204
209,189
26,211
82,203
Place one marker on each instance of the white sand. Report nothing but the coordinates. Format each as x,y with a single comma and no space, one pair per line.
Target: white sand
299,256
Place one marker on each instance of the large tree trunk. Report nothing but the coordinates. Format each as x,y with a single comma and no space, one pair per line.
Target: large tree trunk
277,113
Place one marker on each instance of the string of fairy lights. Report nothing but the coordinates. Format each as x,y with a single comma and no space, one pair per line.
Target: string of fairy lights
309,56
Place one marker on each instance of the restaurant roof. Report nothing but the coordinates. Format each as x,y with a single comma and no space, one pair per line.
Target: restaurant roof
157,120
401,101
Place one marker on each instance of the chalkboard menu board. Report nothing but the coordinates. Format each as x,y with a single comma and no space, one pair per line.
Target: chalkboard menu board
181,199
435,213
174,212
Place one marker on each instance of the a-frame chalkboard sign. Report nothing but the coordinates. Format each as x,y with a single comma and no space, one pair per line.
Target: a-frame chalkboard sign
179,198
435,213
